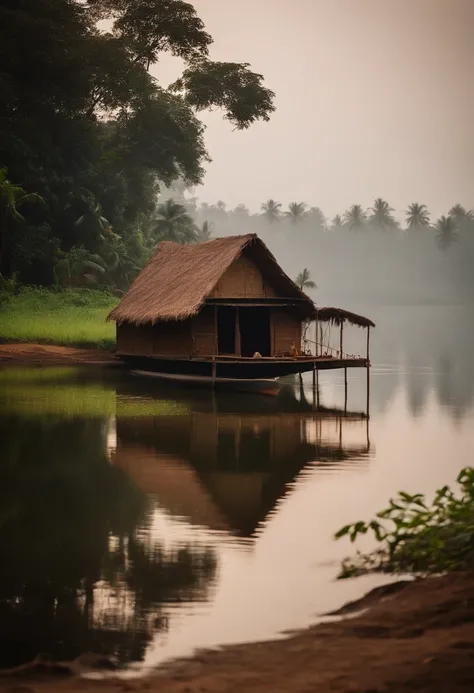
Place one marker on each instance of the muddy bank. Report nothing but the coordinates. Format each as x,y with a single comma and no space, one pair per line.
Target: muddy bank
52,355
416,638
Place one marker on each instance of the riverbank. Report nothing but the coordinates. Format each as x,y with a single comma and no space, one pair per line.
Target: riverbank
52,355
69,317
416,638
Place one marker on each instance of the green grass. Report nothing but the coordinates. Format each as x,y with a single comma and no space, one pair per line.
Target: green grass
57,392
69,318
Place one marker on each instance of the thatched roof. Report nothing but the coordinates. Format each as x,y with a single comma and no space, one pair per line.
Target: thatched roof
337,316
177,280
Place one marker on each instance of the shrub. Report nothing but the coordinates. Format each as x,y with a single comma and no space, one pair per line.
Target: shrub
417,537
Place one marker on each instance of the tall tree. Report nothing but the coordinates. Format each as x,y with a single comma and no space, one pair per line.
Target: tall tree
417,216
296,212
271,211
446,232
79,109
356,218
381,215
317,218
12,198
173,223
464,217
337,223
204,231
304,281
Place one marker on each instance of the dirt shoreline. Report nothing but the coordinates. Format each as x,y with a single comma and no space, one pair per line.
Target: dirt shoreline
419,638
53,355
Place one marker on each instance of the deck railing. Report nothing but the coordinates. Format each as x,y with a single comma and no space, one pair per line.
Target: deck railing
312,348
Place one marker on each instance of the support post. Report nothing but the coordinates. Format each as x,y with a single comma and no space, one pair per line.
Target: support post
341,339
320,339
317,387
368,392
238,346
345,389
314,377
213,371
216,336
368,344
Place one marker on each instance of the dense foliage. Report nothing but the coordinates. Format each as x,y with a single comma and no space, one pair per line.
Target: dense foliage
420,538
87,135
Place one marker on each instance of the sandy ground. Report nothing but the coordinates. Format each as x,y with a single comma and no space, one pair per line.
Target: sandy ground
419,638
50,355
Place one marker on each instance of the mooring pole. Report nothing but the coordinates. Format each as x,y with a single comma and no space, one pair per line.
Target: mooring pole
341,339
368,374
345,389
368,391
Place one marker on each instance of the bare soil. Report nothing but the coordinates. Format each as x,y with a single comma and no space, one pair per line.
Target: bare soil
417,637
52,355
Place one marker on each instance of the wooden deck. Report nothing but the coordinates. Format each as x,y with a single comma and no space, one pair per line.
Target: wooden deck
240,367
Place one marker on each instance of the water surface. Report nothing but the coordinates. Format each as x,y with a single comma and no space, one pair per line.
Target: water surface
146,522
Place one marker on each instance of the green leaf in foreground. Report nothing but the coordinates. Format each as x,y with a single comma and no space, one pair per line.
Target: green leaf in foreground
417,537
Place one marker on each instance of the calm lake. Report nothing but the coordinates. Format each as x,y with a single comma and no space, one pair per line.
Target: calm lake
146,522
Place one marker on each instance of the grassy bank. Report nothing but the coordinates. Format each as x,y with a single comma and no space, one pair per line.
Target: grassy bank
70,318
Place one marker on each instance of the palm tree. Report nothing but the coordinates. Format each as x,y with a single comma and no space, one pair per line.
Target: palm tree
337,223
355,218
79,266
93,217
271,210
446,232
417,216
296,212
381,215
204,232
316,215
12,197
304,281
173,223
463,217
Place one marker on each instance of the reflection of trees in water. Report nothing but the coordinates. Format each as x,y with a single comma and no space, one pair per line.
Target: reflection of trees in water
79,571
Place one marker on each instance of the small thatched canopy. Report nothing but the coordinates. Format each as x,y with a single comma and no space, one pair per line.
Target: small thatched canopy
337,316
177,280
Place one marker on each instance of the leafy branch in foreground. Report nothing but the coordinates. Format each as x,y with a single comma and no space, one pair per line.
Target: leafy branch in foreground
415,537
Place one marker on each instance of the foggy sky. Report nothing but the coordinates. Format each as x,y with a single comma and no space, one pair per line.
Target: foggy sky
374,98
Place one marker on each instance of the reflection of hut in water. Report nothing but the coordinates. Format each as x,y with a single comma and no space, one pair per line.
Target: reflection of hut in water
225,470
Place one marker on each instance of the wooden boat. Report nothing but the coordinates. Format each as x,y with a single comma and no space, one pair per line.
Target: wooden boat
262,386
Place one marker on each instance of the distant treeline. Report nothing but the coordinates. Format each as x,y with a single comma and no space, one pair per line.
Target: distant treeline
361,255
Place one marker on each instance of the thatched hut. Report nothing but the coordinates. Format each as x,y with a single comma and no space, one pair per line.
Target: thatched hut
222,308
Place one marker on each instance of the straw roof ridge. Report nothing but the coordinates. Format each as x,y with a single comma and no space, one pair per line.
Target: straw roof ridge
175,283
338,315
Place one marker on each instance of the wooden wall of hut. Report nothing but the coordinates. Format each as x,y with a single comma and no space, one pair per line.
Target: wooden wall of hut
286,331
243,279
203,329
164,339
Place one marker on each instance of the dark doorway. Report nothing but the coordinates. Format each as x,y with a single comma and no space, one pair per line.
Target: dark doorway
255,333
226,318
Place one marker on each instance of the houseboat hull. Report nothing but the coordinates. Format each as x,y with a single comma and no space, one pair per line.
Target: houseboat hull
262,386
238,368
